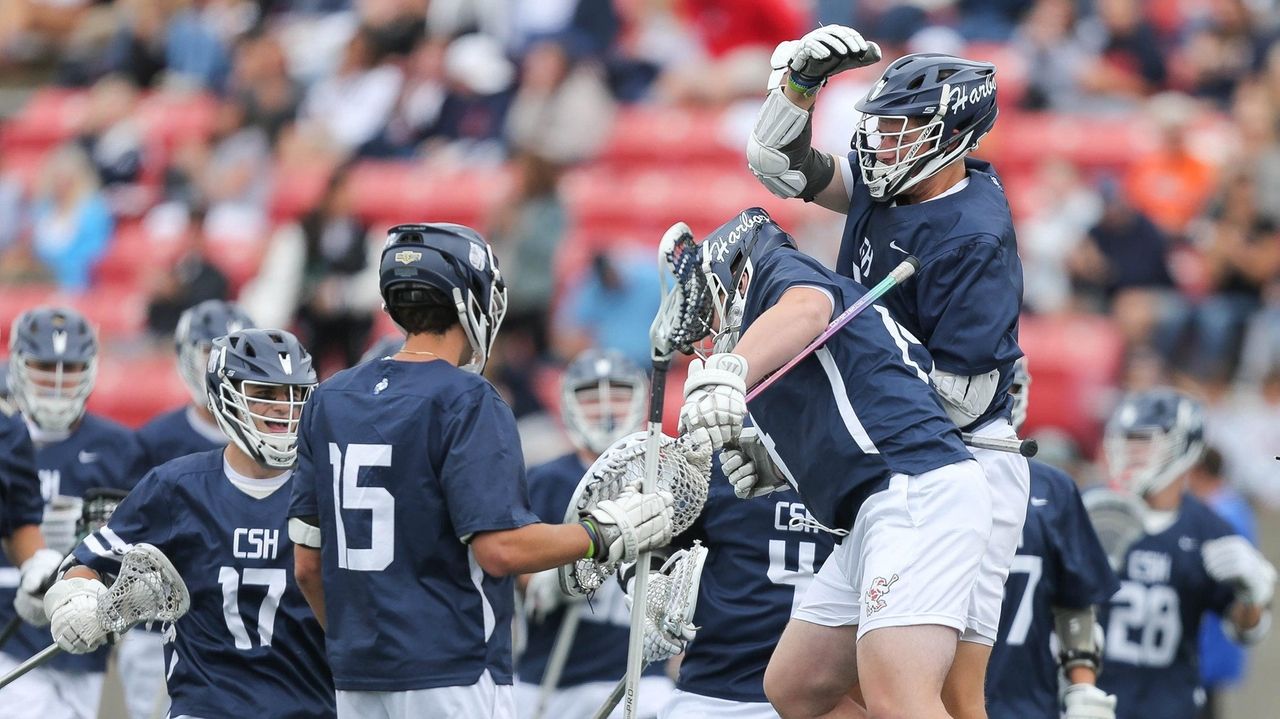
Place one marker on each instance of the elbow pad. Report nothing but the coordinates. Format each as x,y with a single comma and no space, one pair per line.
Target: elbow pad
779,152
1080,639
965,398
304,531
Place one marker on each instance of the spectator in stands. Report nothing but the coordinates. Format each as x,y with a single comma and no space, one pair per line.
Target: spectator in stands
1241,249
562,110
1171,185
525,233
1127,63
1246,429
1222,661
1122,267
71,224
1062,212
195,54
1222,50
395,26
417,110
350,108
322,273
1255,112
192,279
113,136
261,81
479,80
1054,54
611,306
138,50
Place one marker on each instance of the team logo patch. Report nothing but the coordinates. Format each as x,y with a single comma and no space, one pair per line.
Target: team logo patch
875,595
405,257
377,388
476,255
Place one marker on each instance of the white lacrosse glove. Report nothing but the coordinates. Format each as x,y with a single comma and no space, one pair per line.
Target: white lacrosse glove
631,524
671,600
36,572
749,468
542,595
830,50
715,399
965,398
1233,560
72,606
1086,701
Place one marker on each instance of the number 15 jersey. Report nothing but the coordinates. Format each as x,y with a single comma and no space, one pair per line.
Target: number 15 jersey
402,462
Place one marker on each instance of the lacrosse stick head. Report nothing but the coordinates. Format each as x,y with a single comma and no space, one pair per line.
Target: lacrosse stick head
1117,520
148,589
672,598
684,470
684,317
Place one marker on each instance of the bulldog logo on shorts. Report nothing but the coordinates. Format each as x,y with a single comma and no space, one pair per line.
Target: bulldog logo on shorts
875,595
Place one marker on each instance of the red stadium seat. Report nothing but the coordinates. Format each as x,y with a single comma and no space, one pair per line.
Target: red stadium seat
172,118
670,137
48,118
1074,362
397,192
117,391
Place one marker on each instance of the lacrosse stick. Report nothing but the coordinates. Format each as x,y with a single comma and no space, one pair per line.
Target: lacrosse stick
899,275
1117,520
559,655
95,511
147,589
1024,447
668,621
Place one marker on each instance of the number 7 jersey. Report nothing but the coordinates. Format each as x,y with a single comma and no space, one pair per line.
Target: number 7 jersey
249,646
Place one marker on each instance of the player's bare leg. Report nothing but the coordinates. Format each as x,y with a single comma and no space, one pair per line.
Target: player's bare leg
811,672
903,670
964,691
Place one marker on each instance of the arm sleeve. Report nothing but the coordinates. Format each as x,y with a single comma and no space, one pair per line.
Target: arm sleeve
1087,578
19,483
781,271
969,309
483,472
302,501
144,516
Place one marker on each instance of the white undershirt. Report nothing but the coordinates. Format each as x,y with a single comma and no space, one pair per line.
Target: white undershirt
43,436
256,488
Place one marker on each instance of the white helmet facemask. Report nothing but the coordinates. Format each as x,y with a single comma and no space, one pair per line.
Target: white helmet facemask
265,429
52,399
1148,460
597,416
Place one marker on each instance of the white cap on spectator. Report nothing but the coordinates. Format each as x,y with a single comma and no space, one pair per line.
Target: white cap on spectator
478,63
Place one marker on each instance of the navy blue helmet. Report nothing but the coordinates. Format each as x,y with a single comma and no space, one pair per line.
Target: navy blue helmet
257,382
386,346
197,328
728,256
453,260
53,360
925,111
603,397
1152,439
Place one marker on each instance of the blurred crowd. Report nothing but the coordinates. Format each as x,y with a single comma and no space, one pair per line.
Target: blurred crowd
1177,245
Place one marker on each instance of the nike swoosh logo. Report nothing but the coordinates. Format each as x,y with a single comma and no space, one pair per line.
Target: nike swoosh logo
1037,502
87,457
894,245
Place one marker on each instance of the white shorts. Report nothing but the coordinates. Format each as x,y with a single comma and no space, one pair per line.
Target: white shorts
140,658
482,700
912,557
1009,478
46,693
684,705
584,699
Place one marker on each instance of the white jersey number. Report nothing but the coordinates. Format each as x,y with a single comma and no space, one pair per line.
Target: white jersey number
231,579
1033,567
348,494
1153,614
797,578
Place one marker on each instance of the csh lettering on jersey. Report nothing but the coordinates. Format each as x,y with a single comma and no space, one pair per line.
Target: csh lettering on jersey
255,543
785,512
955,98
1150,567
719,247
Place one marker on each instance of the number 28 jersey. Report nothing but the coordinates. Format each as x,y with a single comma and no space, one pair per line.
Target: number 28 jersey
1153,622
402,462
249,646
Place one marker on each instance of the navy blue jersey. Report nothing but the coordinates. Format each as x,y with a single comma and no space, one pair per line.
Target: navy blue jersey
964,301
20,500
599,652
98,453
175,434
1059,563
856,411
1153,622
401,462
249,646
757,570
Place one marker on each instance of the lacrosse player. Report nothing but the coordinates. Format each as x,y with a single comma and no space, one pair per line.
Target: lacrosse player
1187,561
602,399
411,507
249,646
908,188
21,505
185,430
1059,575
54,356
858,430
